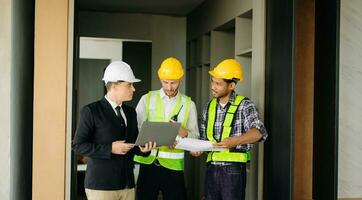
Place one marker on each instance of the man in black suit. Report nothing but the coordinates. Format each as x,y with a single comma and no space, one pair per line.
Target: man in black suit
105,134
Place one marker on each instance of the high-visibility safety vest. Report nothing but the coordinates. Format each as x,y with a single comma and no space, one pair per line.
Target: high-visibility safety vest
169,158
226,155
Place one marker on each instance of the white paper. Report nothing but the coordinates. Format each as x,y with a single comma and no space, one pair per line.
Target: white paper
190,144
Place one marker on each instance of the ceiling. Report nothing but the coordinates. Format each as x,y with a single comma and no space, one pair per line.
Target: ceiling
162,7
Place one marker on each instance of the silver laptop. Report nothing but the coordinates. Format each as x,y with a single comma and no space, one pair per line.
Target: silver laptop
163,133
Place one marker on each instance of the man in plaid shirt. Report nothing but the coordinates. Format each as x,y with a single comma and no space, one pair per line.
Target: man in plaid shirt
232,122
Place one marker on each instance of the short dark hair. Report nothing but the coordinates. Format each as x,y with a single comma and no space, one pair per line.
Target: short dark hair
233,80
109,84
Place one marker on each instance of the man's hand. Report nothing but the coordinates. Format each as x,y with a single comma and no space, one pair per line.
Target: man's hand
229,142
147,147
251,136
181,132
120,147
196,153
173,145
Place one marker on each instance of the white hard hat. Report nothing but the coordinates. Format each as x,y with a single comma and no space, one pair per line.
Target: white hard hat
119,71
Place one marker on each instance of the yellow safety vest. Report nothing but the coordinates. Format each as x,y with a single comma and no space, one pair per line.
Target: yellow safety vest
224,156
170,158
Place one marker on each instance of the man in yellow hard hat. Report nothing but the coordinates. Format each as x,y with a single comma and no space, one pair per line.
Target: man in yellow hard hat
163,169
231,122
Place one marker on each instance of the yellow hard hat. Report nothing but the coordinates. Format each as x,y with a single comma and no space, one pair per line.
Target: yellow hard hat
228,69
171,68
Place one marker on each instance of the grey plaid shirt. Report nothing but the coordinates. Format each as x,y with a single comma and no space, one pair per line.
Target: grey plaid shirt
246,118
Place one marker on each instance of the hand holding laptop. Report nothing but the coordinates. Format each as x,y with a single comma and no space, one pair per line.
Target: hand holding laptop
121,147
148,146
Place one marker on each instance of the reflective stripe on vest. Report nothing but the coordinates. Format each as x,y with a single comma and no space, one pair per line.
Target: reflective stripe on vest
224,156
170,155
170,158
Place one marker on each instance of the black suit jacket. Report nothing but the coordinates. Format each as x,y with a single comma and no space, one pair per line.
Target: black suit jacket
98,127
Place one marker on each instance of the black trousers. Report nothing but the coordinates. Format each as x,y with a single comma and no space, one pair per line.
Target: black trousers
153,178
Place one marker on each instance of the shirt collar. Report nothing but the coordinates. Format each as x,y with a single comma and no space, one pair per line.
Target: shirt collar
163,94
113,104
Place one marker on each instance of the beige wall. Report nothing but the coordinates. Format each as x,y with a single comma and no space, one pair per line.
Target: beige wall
5,69
50,87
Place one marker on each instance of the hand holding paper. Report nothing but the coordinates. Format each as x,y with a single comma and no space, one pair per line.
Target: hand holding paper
191,144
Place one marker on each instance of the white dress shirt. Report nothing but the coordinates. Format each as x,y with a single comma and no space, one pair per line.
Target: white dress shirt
169,103
114,105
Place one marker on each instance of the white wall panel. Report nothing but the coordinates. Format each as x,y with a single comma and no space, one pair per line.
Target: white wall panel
350,106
